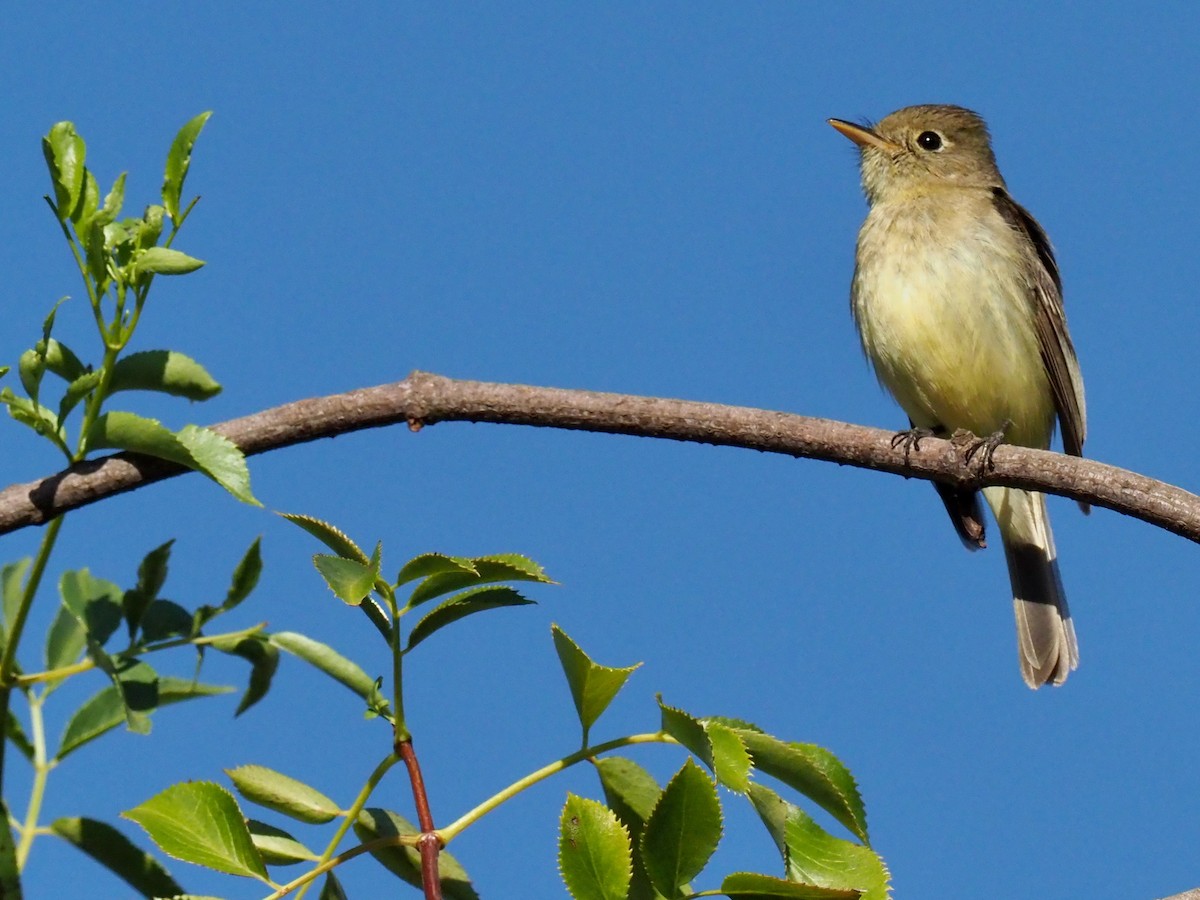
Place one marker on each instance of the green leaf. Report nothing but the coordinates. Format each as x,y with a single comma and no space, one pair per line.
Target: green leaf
752,886
284,794
487,570
333,664
12,588
89,199
818,858
245,578
179,159
106,710
405,862
196,448
16,736
151,576
332,889
264,660
276,846
595,858
164,371
95,602
40,419
462,605
432,564
166,619
688,730
118,854
65,152
350,580
683,831
65,641
77,391
165,261
200,822
62,361
115,199
814,772
731,760
331,537
632,793
593,686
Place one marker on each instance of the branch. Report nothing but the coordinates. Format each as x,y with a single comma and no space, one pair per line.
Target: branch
425,399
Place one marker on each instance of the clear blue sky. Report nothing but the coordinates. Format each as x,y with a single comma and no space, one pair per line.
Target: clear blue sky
642,199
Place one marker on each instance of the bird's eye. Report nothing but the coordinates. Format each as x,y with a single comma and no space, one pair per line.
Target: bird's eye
929,140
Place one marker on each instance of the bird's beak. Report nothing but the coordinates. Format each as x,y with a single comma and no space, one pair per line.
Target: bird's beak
864,137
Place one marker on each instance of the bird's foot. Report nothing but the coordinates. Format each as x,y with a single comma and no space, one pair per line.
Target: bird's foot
986,446
911,440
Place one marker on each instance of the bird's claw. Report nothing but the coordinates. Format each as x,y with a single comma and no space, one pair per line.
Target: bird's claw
987,446
910,440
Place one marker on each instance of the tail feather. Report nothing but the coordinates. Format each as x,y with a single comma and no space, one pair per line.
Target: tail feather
1046,643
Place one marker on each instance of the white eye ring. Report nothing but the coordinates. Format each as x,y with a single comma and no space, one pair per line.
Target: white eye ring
930,140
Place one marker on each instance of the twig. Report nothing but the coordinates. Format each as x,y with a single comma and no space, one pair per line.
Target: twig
428,843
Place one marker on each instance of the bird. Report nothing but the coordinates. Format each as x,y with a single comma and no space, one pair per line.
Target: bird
957,299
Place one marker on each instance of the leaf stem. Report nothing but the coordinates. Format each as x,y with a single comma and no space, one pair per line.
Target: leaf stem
41,769
396,840
452,830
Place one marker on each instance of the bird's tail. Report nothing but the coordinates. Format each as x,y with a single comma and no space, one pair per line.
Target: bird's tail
1046,641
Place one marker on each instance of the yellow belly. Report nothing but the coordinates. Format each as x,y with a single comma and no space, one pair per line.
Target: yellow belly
950,329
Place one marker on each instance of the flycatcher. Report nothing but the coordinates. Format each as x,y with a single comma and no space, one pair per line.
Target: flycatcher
958,303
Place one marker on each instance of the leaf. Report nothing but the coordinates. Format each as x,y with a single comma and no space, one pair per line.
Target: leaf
115,199
76,392
432,564
284,794
264,660
166,619
179,160
593,686
164,371
818,858
332,889
95,602
151,576
595,858
165,261
814,772
752,886
331,537
200,822
12,588
276,846
350,580
118,854
33,415
632,793
220,459
686,729
16,736
105,710
333,664
462,605
405,862
62,361
683,831
65,152
731,760
245,578
65,641
487,570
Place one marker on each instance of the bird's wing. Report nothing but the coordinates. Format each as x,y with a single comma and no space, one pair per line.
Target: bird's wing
1058,353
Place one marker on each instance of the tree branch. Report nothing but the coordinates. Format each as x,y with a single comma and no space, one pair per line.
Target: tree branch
425,399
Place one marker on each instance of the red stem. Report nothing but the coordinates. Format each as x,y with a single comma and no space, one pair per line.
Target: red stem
429,844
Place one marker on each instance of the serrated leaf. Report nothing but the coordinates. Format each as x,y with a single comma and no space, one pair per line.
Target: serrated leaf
77,391
752,886
245,575
106,709
163,371
350,580
220,459
95,602
632,793
115,199
179,160
592,685
200,822
151,576
264,660
595,857
284,794
683,831
65,641
165,619
432,564
40,419
89,199
818,858
813,771
462,605
487,570
405,862
165,261
333,664
276,846
329,535
118,854
65,152
731,759
686,729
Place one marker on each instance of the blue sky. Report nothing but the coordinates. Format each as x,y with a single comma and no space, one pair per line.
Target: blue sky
645,199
